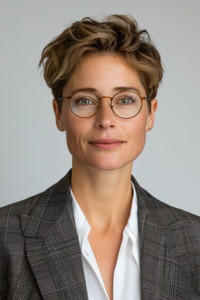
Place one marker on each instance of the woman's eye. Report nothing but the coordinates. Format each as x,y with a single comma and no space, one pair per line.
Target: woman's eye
84,102
126,101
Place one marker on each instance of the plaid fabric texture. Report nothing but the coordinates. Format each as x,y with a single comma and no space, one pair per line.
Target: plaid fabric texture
40,256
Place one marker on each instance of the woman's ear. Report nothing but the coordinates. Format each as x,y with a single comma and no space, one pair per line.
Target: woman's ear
150,120
58,117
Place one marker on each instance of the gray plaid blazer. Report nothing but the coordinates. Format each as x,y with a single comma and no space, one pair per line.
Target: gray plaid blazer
40,256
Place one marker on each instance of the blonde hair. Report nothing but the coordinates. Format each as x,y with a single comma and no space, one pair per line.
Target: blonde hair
117,34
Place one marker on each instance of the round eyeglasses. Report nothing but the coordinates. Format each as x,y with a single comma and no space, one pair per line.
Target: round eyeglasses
124,104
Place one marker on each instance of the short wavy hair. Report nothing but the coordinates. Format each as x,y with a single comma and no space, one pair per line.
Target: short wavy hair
116,34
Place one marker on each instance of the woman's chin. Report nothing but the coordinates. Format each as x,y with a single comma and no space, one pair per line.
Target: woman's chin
106,165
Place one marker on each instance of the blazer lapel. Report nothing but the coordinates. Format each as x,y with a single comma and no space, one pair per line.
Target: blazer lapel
161,276
52,245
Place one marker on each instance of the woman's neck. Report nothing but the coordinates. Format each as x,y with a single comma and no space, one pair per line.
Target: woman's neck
105,197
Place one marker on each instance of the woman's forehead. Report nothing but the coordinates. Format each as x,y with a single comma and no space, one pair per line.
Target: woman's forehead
109,72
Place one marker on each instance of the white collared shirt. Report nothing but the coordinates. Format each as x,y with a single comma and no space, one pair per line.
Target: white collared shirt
126,281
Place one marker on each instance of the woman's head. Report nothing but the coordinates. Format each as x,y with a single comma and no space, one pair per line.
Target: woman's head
105,58
117,34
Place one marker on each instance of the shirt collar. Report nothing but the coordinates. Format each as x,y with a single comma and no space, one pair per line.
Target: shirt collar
133,218
82,225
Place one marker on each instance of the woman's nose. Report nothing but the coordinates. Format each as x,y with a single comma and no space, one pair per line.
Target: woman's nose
105,117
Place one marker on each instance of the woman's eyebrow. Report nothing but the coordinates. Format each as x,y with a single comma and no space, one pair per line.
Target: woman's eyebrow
89,89
126,88
117,89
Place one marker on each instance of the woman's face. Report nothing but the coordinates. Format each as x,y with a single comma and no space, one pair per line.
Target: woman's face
104,73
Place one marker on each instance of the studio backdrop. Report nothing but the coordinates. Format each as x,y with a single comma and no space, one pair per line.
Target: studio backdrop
34,154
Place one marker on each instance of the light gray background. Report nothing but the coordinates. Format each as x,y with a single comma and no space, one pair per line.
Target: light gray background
34,153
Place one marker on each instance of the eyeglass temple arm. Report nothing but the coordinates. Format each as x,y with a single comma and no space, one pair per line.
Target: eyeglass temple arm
57,99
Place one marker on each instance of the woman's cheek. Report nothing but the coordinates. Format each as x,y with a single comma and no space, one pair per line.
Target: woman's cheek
138,138
71,140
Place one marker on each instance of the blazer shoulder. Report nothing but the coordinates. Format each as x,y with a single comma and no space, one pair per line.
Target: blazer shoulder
9,214
178,224
177,214
10,224
162,213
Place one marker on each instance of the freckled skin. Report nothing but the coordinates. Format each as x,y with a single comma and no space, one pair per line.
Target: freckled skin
105,72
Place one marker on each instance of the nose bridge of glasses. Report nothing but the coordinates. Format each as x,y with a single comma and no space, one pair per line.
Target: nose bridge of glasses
105,97
102,98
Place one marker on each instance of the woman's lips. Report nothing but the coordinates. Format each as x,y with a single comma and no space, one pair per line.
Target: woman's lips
106,144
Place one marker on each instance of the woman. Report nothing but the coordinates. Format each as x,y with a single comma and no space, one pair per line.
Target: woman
96,234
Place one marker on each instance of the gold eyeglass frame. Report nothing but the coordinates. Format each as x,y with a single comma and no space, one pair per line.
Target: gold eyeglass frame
111,98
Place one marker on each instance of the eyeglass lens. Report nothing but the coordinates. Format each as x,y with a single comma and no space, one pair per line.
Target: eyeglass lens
124,104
